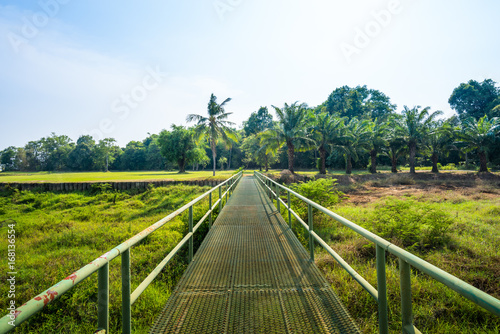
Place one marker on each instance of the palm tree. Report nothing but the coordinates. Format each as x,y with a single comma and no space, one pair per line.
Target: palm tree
354,140
325,130
415,127
479,135
291,130
377,141
215,127
439,141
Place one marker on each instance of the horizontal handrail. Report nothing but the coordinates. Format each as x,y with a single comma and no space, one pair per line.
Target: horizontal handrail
468,291
34,305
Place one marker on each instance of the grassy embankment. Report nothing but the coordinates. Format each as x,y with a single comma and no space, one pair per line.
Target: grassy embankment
61,177
57,234
454,225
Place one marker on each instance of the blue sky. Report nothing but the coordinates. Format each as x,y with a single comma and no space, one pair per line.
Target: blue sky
125,68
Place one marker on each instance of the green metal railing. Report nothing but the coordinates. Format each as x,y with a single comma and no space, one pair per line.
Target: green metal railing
101,265
406,261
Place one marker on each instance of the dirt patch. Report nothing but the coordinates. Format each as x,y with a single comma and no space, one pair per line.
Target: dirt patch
454,187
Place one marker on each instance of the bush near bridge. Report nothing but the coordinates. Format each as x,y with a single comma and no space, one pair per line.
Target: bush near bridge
60,233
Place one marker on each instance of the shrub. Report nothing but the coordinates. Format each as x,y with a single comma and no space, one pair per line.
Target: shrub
321,191
411,224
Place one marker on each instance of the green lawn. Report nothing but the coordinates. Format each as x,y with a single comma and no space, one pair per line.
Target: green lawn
61,177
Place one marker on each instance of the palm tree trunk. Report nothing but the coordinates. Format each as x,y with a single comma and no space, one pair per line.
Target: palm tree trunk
214,154
483,162
373,159
230,155
434,158
291,150
413,151
322,158
348,164
267,163
394,162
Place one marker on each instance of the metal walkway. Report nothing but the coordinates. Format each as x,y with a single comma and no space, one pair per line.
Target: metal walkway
252,275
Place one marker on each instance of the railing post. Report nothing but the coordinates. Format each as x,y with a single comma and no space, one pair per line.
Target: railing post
227,191
191,231
406,308
220,198
126,314
383,324
210,208
289,209
103,298
311,238
278,206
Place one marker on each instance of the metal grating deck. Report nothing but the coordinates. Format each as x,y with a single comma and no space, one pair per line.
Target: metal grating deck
252,275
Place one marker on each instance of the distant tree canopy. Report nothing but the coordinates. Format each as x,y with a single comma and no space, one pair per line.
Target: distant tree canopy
476,99
359,102
354,128
258,122
179,146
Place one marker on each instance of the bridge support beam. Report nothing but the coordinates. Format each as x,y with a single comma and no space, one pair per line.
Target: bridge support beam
126,312
383,322
311,238
103,298
191,231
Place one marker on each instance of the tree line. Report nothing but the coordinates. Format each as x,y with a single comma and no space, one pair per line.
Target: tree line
355,127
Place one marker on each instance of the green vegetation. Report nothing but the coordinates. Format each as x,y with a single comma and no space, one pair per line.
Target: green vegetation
456,230
110,176
57,234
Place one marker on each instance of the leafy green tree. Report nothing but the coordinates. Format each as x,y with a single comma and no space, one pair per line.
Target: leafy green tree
33,155
325,130
104,153
176,145
134,156
154,159
475,99
439,141
291,130
377,141
82,157
414,127
54,152
479,135
354,140
215,127
7,158
258,122
359,102
222,162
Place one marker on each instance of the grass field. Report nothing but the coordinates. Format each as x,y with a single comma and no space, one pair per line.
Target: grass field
62,177
57,234
54,177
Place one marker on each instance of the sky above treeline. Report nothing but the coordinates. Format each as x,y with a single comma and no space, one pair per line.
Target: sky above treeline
124,69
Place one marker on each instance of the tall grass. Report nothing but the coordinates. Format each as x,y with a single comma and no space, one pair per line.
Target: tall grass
60,233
